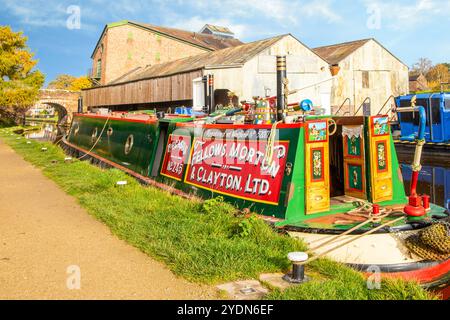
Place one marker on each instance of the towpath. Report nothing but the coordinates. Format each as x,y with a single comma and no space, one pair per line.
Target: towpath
50,247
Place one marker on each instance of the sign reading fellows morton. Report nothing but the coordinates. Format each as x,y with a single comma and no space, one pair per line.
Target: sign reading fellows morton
239,168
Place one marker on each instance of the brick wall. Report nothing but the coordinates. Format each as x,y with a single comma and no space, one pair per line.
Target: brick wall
127,47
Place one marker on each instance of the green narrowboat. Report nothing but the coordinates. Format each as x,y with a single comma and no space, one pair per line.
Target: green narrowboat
333,181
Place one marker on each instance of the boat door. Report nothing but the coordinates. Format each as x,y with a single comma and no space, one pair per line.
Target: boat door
317,167
354,161
380,156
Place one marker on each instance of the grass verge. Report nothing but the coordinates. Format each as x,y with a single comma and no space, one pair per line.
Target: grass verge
206,242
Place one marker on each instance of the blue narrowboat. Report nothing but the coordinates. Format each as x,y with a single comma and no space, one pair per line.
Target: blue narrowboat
437,108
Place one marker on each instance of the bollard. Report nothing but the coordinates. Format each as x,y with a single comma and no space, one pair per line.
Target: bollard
298,268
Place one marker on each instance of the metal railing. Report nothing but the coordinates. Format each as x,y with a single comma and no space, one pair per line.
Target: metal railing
342,105
384,105
362,104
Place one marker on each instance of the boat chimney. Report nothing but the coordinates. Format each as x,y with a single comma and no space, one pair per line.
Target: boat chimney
211,93
80,104
281,76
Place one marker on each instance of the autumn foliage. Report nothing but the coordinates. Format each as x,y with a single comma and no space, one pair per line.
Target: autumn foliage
19,82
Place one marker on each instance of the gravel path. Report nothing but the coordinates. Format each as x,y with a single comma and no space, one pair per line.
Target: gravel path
48,244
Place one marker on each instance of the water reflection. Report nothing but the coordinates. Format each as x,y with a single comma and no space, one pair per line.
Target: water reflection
46,131
433,180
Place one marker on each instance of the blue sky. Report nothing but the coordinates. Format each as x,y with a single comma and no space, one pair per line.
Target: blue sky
409,28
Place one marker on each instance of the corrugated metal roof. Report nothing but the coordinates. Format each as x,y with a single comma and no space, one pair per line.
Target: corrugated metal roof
336,53
233,56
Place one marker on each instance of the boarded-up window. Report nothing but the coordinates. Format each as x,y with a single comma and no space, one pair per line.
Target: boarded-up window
99,68
365,80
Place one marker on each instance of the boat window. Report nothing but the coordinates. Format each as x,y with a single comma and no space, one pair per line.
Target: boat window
436,111
94,135
407,116
76,129
129,144
447,104
109,132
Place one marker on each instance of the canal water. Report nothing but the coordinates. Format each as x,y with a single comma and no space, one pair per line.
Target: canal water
434,179
45,131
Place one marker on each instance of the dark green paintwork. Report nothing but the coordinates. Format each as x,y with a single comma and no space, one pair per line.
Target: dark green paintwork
143,157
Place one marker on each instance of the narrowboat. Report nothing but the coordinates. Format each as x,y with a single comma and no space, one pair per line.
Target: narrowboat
334,181
437,108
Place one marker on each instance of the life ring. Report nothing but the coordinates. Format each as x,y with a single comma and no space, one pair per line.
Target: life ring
331,122
129,144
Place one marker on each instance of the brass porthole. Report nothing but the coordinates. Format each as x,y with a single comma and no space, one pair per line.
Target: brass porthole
94,135
76,129
109,132
129,144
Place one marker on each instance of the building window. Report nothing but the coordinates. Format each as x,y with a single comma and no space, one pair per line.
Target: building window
365,80
98,72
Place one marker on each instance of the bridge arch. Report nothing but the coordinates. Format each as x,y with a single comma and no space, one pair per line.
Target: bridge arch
64,101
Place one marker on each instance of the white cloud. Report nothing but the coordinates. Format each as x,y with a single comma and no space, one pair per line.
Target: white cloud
51,14
284,12
410,14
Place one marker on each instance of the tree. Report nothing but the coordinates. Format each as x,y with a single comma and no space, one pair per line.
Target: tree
438,74
422,66
68,82
82,82
62,81
19,83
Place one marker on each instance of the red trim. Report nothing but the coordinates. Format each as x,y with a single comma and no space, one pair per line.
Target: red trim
372,126
322,150
96,116
147,180
377,143
307,123
362,177
361,147
240,126
423,276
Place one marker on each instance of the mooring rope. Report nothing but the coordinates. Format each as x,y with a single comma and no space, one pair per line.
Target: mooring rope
98,139
271,143
352,240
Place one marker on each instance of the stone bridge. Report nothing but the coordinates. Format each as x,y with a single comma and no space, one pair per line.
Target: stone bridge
64,101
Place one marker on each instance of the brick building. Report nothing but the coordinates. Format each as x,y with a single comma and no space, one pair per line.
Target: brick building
418,82
125,46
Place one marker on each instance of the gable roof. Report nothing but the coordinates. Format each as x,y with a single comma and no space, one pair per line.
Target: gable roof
217,29
416,77
205,41
336,53
229,57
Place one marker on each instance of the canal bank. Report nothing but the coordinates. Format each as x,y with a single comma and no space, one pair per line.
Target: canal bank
46,238
206,243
